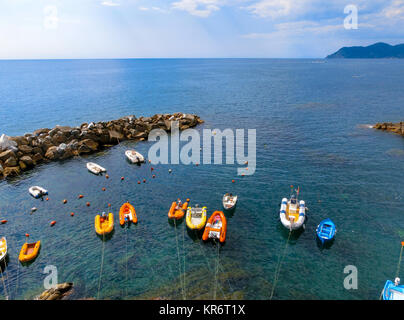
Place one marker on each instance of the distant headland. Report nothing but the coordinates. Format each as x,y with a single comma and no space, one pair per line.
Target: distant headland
378,50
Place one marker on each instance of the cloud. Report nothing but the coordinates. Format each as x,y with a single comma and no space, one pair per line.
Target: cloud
276,8
110,4
199,8
394,10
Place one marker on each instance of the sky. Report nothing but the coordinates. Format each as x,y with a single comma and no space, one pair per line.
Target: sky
60,29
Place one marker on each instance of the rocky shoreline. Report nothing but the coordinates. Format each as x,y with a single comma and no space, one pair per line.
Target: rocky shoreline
21,153
390,126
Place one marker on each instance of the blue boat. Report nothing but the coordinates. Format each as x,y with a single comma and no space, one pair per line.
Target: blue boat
326,230
393,291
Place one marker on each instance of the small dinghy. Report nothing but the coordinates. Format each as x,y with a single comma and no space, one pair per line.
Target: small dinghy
216,227
37,192
104,224
229,201
95,168
293,212
326,230
196,217
393,291
134,156
177,210
29,251
3,248
127,213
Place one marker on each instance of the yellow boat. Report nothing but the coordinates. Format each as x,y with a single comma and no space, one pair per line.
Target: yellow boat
104,225
3,248
29,251
196,218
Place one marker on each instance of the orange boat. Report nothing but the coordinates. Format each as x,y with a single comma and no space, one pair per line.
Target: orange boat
216,227
128,213
29,251
177,210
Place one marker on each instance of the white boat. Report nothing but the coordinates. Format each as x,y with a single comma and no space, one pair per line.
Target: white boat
134,156
229,201
37,192
292,213
3,248
95,168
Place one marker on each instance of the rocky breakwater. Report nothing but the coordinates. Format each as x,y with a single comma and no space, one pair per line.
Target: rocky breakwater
390,126
59,292
22,153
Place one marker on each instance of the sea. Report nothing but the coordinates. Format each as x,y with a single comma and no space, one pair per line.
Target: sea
313,122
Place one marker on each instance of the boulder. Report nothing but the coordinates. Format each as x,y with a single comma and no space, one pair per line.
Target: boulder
6,154
10,162
27,160
22,165
6,142
11,171
59,292
37,158
25,149
41,131
52,153
92,145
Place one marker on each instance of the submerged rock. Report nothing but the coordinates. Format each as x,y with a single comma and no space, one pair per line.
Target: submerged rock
59,292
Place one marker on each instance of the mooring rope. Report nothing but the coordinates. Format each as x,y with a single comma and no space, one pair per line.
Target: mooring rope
399,262
179,259
216,270
4,284
126,259
208,263
278,268
101,267
18,275
183,251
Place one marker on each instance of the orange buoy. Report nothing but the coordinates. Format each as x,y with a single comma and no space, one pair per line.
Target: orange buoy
109,205
153,176
88,204
151,169
197,164
188,200
149,161
52,223
64,201
103,189
144,180
242,174
72,214
81,196
402,243
233,181
106,176
47,199
246,162
138,182
3,221
122,178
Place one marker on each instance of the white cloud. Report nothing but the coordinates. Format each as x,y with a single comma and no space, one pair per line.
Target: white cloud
200,8
275,8
110,3
395,10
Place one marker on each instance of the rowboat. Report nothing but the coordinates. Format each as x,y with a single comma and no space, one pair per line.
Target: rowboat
229,201
292,213
134,156
37,192
95,168
326,230
216,227
196,218
177,210
393,290
3,248
29,251
127,213
104,224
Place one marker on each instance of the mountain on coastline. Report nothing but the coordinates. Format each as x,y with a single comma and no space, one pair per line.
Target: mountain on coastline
378,50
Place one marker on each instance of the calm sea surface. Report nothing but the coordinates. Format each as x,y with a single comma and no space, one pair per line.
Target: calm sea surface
309,117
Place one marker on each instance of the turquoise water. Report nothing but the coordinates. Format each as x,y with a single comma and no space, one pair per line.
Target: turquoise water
308,115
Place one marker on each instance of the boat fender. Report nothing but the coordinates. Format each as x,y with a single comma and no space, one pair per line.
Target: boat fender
52,223
3,221
88,204
64,201
81,196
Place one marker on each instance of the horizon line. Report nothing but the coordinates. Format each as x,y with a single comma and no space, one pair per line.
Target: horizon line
154,58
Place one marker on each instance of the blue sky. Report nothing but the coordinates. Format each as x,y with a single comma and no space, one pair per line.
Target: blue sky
42,29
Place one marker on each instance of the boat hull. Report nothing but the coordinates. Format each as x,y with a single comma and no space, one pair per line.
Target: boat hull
175,213
213,232
127,210
292,219
103,227
196,223
392,292
29,251
3,248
